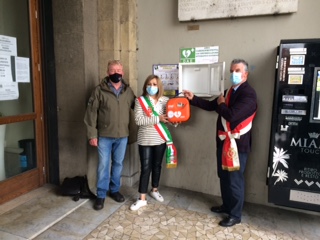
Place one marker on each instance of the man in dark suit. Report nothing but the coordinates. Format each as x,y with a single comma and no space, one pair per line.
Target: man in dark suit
236,109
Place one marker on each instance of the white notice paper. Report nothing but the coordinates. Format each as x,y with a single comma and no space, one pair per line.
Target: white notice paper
5,69
22,69
169,75
9,91
8,45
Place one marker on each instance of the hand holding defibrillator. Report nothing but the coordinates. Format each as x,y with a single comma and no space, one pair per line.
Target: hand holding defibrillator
163,118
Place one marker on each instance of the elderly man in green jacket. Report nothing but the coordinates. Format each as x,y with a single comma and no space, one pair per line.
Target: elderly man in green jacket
107,122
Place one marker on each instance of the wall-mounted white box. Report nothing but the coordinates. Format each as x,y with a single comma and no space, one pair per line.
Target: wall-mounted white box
203,79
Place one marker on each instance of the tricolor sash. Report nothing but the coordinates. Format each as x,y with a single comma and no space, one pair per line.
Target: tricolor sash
230,156
162,129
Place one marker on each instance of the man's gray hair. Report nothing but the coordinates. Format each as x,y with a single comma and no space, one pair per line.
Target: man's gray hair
239,60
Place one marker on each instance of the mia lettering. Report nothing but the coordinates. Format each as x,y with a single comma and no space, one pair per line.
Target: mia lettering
309,145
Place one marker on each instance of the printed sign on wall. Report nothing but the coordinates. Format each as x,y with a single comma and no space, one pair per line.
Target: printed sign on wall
199,54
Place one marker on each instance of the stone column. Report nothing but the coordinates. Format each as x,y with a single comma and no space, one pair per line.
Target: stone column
76,62
117,40
87,34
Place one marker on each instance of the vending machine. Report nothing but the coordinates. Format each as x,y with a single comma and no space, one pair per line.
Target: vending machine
294,155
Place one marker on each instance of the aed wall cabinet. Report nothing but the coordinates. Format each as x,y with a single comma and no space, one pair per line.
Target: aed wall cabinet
203,79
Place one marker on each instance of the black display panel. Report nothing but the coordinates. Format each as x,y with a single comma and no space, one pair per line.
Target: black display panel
294,155
315,100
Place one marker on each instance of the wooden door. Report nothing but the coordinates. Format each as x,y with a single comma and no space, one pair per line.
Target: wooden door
22,137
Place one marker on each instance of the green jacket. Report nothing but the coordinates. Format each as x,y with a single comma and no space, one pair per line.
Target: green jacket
108,115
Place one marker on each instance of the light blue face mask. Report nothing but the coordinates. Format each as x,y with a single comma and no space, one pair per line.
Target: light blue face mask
235,78
152,90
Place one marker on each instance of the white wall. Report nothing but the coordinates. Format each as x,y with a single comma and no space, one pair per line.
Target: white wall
161,35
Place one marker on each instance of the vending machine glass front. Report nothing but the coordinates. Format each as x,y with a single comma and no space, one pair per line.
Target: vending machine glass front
315,101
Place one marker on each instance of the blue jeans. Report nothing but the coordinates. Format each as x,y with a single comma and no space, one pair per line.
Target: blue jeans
111,150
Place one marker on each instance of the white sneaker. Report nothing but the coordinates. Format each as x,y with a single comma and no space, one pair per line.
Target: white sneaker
157,196
138,204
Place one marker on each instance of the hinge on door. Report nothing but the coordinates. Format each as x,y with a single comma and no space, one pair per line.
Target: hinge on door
39,67
36,14
44,171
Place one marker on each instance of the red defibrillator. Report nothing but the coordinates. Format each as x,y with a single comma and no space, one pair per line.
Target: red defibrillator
178,109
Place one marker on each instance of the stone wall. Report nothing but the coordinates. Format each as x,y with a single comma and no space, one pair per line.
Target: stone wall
87,34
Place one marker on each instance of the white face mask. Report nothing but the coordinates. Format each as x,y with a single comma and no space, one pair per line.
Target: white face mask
235,78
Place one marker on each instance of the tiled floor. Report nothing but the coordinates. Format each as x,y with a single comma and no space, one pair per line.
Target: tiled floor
43,214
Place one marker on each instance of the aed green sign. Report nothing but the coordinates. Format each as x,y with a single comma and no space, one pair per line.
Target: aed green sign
187,55
199,54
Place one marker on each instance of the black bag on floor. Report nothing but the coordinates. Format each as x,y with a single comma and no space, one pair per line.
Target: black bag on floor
77,187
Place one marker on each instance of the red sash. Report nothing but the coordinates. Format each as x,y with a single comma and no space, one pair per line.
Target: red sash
230,156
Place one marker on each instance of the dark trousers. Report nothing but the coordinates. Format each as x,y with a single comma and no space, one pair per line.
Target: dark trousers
151,161
232,186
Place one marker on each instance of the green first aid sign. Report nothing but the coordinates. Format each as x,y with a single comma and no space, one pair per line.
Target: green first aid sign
187,55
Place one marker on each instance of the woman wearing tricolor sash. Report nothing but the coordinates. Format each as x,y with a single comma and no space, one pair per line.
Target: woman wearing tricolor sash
153,137
236,109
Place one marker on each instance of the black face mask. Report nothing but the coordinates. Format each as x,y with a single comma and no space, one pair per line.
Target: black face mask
115,78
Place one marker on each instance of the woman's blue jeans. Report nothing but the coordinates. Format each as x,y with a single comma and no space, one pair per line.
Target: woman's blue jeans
111,152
